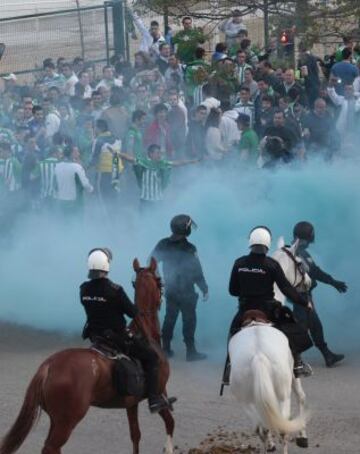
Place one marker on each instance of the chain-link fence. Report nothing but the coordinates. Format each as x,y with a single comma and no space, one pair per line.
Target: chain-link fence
85,32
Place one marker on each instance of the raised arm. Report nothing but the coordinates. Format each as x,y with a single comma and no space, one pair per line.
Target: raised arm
183,162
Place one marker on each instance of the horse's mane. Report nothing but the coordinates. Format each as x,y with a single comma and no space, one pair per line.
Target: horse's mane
281,242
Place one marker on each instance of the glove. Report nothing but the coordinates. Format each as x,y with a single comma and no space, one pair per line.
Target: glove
340,286
205,296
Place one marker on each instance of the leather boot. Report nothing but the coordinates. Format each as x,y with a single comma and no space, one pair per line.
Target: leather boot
330,358
193,355
157,402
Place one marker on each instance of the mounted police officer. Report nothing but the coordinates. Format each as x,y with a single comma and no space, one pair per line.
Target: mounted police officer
182,271
304,233
106,304
252,281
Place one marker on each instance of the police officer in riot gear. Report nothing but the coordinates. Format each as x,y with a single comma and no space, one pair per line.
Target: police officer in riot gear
106,304
252,281
182,271
304,234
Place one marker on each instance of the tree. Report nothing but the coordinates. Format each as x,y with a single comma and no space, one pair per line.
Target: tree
317,18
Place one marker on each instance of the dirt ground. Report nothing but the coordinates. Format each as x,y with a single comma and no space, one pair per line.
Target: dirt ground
201,415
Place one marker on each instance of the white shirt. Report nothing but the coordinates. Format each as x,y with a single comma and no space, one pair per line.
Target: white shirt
228,127
69,88
247,109
213,143
109,83
147,43
231,28
343,103
52,123
65,175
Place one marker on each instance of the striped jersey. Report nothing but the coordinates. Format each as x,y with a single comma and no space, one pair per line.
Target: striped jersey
10,174
47,177
152,177
151,185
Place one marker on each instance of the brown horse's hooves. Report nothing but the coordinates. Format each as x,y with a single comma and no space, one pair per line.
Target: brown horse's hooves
302,442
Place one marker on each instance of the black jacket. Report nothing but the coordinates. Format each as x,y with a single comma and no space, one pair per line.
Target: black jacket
285,133
181,266
253,277
105,305
314,271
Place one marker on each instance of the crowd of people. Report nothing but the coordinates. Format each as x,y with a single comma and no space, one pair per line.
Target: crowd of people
119,133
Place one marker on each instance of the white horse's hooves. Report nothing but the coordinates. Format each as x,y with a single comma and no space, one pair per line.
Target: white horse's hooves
167,450
169,447
302,442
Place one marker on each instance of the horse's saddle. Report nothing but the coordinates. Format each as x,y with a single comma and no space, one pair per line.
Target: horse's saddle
254,316
128,374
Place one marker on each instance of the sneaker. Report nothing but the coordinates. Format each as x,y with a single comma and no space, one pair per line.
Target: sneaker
302,369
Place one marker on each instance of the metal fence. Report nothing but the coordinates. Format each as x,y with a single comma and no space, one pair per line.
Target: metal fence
87,32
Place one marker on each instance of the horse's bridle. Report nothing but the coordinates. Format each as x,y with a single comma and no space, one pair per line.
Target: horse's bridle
299,268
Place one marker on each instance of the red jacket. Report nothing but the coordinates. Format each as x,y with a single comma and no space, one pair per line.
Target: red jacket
153,136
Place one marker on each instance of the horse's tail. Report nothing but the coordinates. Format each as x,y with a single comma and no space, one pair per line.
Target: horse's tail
29,413
266,402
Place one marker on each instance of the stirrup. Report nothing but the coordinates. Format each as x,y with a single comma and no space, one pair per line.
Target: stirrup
161,403
302,370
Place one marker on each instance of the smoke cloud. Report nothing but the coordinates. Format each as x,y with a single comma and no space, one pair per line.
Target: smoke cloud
44,261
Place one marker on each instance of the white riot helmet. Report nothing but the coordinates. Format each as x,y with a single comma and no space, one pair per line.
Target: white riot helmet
260,239
99,261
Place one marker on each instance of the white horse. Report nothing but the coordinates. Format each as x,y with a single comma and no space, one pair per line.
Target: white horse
262,372
293,268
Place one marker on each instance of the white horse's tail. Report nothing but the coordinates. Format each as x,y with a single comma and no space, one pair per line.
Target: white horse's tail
266,402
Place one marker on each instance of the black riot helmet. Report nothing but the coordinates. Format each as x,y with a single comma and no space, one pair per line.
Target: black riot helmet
304,231
181,225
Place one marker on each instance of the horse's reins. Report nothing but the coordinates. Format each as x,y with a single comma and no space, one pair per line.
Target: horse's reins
298,267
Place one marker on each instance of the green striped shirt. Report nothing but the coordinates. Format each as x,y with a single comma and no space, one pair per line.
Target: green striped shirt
47,177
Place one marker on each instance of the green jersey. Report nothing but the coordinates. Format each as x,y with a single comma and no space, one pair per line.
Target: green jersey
47,177
84,140
10,174
134,143
249,144
196,74
152,177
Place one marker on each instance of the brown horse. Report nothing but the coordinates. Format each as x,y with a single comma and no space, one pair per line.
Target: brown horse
71,381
